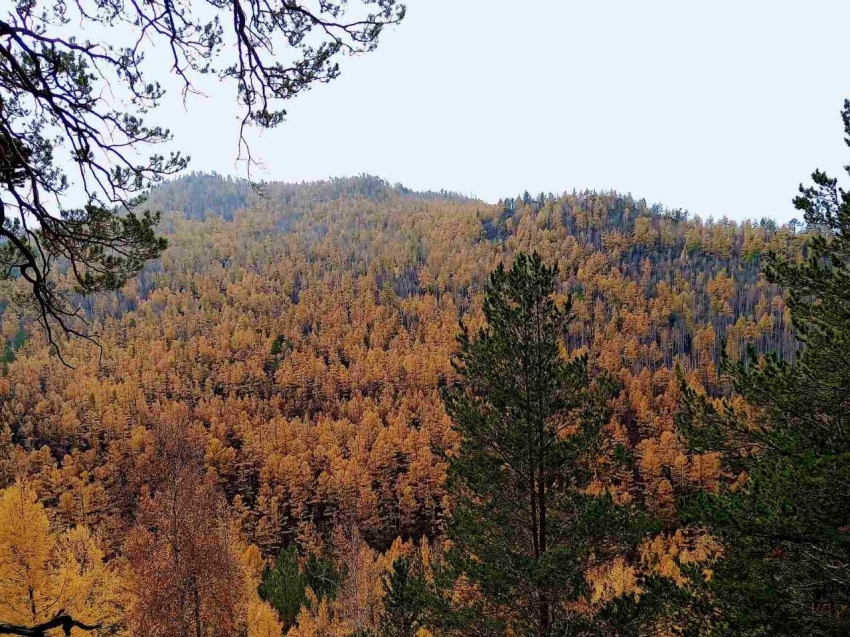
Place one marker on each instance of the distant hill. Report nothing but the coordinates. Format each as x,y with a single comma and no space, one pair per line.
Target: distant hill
693,257
199,195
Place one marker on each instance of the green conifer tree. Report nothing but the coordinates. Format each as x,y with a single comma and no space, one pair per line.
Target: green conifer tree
787,530
524,528
404,600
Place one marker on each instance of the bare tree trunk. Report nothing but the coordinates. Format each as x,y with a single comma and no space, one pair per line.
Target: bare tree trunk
545,619
198,630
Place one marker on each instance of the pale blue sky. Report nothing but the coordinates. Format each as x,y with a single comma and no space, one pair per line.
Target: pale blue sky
719,107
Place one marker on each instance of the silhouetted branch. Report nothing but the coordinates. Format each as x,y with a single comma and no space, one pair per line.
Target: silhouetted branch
62,620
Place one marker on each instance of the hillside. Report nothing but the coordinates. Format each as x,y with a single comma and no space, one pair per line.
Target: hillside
303,337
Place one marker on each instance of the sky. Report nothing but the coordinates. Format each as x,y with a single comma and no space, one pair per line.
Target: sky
722,108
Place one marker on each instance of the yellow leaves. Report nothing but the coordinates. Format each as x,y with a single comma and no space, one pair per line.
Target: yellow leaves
359,597
596,488
704,549
705,470
620,495
615,240
705,340
659,555
252,559
262,620
464,594
721,290
426,556
644,233
665,456
665,555
346,417
399,548
90,591
358,604
319,620
613,580
138,439
67,505
25,549
41,573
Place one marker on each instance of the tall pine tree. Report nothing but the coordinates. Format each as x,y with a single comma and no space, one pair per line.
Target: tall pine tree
524,528
785,520
405,598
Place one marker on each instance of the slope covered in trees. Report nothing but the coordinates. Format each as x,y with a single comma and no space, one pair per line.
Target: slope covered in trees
78,111
293,344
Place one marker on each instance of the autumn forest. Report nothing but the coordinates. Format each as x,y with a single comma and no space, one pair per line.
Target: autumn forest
288,423
235,407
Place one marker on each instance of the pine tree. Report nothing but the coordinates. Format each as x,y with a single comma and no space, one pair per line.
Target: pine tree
524,527
785,520
284,585
404,600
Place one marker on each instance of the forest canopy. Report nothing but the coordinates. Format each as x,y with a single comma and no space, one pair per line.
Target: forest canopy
347,408
277,377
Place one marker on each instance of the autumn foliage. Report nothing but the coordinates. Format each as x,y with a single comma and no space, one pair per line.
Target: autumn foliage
274,380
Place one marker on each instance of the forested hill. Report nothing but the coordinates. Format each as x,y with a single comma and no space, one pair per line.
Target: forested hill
714,264
199,195
297,343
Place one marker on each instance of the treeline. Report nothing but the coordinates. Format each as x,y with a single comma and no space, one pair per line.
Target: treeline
288,431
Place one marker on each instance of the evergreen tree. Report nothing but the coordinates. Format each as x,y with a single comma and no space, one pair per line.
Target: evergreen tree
404,600
283,586
786,526
524,528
